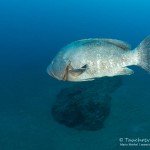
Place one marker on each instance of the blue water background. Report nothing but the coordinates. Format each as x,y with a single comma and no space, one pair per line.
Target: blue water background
31,33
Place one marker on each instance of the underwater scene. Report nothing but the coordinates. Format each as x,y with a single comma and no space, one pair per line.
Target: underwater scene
93,94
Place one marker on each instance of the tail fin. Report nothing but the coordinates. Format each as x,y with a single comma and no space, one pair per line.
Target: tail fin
143,51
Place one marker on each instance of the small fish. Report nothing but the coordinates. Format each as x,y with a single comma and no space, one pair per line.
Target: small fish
87,59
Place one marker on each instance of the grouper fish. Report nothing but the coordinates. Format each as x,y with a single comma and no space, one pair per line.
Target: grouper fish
87,59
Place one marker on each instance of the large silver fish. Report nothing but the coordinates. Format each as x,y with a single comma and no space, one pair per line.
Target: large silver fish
88,59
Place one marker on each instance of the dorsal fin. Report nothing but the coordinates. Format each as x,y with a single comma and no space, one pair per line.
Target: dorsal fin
118,43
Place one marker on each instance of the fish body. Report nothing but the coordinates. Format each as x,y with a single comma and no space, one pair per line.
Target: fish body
88,59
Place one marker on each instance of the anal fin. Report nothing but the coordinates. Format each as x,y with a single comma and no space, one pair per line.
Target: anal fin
125,71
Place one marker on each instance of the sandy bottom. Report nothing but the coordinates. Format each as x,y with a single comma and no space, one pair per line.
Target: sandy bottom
26,122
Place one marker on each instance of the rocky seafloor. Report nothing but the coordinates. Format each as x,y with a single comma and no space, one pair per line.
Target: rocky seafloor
85,105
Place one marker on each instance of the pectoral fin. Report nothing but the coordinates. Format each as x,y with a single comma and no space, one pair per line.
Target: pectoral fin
77,72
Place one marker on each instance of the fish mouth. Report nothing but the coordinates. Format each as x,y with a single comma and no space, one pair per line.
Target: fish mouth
50,72
60,74
64,77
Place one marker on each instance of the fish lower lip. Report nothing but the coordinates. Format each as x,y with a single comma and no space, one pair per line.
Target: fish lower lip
50,73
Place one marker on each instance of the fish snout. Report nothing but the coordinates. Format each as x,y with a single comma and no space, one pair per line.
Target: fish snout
57,70
50,71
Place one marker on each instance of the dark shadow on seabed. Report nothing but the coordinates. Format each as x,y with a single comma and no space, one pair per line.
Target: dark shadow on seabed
86,105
